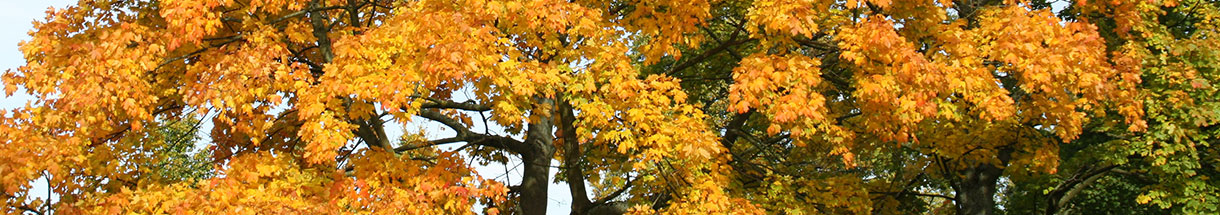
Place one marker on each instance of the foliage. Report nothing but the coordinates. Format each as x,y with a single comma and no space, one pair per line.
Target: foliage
650,106
180,161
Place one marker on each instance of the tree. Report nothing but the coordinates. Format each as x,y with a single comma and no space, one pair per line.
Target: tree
1173,164
683,107
973,88
340,70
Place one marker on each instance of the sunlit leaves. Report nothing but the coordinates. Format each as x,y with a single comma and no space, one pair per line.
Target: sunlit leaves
786,89
823,99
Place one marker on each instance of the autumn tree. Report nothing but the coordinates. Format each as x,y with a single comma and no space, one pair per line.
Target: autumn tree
300,92
649,106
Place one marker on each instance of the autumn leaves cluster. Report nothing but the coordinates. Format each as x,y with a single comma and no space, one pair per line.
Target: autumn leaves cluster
685,107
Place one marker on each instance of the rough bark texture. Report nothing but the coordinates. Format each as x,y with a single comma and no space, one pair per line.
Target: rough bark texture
535,178
976,194
534,182
610,208
976,190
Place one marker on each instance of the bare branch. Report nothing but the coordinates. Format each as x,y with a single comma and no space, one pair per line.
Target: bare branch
464,134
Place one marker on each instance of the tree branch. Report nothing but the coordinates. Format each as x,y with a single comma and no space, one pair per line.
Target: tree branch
572,156
723,46
303,12
320,30
468,105
1068,190
731,129
616,193
913,193
23,206
464,134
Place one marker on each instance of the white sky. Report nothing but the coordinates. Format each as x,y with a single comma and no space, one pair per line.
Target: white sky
19,15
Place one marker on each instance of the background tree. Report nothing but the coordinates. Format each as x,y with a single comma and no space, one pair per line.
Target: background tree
1173,164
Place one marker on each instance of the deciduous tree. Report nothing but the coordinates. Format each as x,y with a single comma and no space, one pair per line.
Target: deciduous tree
649,106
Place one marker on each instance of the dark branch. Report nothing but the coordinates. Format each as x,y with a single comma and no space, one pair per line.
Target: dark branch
709,53
445,104
912,193
320,30
464,134
303,12
616,193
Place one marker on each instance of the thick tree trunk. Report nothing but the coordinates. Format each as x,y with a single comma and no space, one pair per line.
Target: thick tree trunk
976,192
535,181
537,163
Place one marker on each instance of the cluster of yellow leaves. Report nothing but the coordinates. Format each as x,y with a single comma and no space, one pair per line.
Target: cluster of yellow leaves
897,87
664,24
91,82
394,68
259,183
796,77
191,20
1012,72
786,89
241,60
1062,69
102,71
668,143
788,17
833,195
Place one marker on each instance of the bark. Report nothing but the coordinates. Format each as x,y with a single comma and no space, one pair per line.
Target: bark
976,192
372,131
609,208
572,158
320,29
534,181
537,162
731,129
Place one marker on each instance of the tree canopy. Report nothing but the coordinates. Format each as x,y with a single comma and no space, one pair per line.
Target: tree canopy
648,106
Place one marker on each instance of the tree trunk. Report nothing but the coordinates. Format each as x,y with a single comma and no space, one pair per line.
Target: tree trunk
609,208
534,182
572,157
976,192
537,162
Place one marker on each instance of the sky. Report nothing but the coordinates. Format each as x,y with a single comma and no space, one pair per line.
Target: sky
20,14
